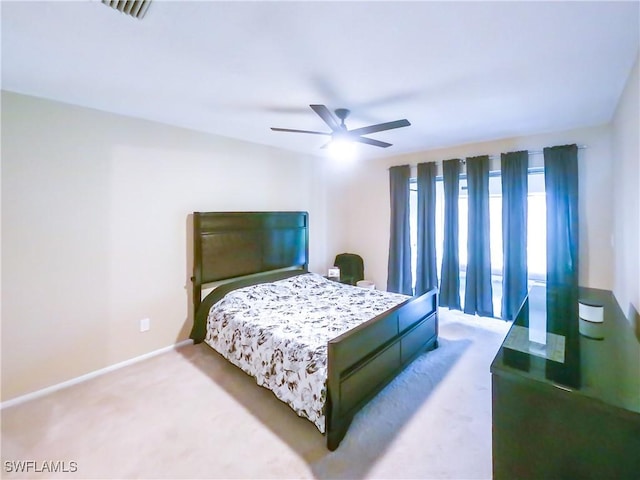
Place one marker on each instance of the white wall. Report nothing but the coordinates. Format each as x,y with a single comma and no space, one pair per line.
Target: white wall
364,208
96,230
626,194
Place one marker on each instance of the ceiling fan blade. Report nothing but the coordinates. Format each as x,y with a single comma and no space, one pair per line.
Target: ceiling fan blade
298,131
380,127
371,141
324,113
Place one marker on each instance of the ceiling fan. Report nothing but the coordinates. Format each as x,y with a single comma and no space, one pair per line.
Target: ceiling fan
340,132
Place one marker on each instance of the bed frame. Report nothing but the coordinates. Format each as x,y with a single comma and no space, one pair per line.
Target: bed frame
362,361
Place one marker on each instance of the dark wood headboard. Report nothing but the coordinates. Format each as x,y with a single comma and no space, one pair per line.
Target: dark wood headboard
233,244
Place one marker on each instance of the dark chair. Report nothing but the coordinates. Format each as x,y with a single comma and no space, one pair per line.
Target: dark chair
351,267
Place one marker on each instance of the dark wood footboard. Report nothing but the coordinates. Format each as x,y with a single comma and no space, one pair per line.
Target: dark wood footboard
362,361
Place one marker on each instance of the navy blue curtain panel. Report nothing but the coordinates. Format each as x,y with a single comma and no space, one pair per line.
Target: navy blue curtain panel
426,272
561,185
515,186
478,295
450,271
399,267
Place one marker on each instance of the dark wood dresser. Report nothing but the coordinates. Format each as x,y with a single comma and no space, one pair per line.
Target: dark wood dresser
575,415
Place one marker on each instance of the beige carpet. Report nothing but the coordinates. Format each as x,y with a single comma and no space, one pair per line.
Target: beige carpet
190,414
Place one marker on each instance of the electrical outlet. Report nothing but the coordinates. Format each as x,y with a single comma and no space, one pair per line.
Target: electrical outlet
145,324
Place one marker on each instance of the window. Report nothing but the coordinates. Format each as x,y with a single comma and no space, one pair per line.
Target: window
413,229
536,230
537,227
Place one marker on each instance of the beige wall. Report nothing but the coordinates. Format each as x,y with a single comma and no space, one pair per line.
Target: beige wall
95,222
95,230
626,194
366,193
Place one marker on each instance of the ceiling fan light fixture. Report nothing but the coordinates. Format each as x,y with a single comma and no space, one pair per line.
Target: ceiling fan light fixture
343,140
342,149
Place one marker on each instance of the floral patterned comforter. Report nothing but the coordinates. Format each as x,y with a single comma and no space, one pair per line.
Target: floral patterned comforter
278,333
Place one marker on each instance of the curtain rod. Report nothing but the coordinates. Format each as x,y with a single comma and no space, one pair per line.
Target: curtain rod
538,152
494,157
530,152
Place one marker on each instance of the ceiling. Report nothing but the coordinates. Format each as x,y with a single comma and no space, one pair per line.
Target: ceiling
459,72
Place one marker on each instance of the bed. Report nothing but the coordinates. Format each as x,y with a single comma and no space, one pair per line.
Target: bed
259,260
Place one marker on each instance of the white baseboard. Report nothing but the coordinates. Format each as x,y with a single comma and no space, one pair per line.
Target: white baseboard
90,375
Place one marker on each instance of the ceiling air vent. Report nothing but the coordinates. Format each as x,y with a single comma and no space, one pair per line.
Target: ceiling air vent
134,8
